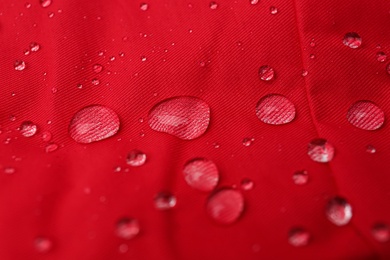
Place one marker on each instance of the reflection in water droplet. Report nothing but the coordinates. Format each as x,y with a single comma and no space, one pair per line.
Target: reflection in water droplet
9,170
19,65
366,115
273,10
28,129
381,232
45,3
298,237
381,56
370,149
320,150
304,73
97,68
275,110
248,141
184,117
127,228
352,40
27,5
300,177
201,174
225,206
266,73
43,244
213,5
164,201
95,82
144,6
143,58
26,52
247,184
254,2
93,123
34,47
136,158
51,147
339,211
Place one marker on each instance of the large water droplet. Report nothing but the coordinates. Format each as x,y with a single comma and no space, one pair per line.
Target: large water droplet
381,232
266,73
164,201
201,174
43,244
339,211
320,150
275,110
298,237
225,206
19,65
93,123
183,117
300,177
127,228
352,40
366,115
28,129
136,158
45,3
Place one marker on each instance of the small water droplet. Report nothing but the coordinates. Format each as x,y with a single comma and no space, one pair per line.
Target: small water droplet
95,82
46,136
143,58
121,54
34,47
144,6
273,10
9,170
254,2
304,73
320,150
27,5
28,129
213,5
184,117
123,248
51,147
26,52
370,149
201,174
97,68
381,56
216,145
117,169
275,109
312,43
43,244
298,237
112,58
266,73
300,177
247,184
352,40
12,118
366,115
225,206
312,56
339,211
127,228
45,3
54,90
381,232
248,141
19,65
164,201
50,14
79,86
93,123
136,158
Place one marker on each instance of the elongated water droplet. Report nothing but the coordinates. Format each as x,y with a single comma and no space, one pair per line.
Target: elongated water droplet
298,237
9,170
266,73
184,117
381,232
97,68
28,129
45,3
43,244
247,184
144,6
213,5
352,40
201,174
225,206
339,211
93,123
19,65
275,110
136,158
51,147
248,141
366,115
127,228
164,200
300,177
320,150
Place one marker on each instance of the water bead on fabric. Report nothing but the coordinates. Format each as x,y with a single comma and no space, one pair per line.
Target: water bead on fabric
275,109
352,40
127,228
339,211
201,174
366,115
320,150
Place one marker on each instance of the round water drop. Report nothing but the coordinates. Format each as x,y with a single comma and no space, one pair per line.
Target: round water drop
275,109
247,184
254,2
144,6
43,244
201,174
184,117
136,158
339,211
127,228
320,150
28,129
213,5
304,73
266,73
273,10
51,147
164,201
248,141
366,115
298,237
370,149
45,3
352,40
225,206
381,56
95,82
46,136
381,232
97,68
19,65
300,177
93,123
34,47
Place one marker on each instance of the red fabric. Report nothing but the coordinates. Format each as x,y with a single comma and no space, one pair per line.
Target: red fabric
214,55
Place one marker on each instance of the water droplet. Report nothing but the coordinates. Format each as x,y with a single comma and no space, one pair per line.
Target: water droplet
9,170
254,2
304,73
95,82
266,73
26,52
312,56
112,58
273,10
312,43
117,169
381,56
136,158
127,228
320,150
12,118
43,244
45,3
366,115
370,149
19,65
275,110
50,14
28,129
79,86
164,201
300,177
381,232
34,47
216,145
144,6
184,117
213,5
352,40
248,141
339,211
97,68
201,174
51,147
143,58
225,206
93,123
46,136
54,90
247,184
27,5
123,248
298,237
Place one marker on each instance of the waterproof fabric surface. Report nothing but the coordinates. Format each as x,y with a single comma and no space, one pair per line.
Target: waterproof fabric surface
71,194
